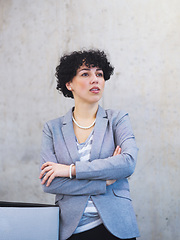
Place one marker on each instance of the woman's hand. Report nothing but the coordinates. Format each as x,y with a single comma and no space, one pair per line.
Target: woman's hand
53,170
116,152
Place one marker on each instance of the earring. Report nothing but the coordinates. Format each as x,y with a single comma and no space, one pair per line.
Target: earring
70,88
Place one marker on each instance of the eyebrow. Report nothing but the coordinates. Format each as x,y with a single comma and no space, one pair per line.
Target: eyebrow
88,69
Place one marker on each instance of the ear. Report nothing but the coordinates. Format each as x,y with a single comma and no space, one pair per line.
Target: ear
68,86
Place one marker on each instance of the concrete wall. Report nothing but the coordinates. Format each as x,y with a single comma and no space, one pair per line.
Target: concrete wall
142,40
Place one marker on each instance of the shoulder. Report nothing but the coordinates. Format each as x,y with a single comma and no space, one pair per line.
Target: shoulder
56,121
113,116
55,126
116,116
60,121
52,126
120,122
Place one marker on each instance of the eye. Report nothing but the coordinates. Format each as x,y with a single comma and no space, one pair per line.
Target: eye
85,74
99,74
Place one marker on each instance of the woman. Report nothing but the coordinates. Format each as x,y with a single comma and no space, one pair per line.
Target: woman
88,154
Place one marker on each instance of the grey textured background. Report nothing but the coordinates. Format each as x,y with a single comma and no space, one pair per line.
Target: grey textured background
142,41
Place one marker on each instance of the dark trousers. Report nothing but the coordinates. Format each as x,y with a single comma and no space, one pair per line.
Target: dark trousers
97,233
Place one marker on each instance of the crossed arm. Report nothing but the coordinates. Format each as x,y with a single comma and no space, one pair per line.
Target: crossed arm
51,170
90,177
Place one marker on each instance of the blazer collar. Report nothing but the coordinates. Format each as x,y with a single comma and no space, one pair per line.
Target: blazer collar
99,131
69,136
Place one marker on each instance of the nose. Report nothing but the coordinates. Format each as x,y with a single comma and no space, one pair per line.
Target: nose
94,79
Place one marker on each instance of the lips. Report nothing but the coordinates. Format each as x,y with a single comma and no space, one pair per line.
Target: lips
94,90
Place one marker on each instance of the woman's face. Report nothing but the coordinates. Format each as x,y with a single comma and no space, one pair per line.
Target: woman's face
87,85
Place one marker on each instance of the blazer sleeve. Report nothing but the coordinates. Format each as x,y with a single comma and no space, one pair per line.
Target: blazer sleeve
114,167
66,185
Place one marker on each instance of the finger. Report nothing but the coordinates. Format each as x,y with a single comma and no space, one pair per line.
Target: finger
44,171
50,180
119,150
109,182
116,151
48,174
46,164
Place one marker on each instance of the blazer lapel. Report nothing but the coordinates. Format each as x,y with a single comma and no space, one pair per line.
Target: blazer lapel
99,132
69,137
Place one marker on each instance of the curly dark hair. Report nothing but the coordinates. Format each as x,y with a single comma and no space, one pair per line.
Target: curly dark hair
70,63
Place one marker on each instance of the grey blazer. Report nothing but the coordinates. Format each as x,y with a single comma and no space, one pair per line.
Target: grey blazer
113,202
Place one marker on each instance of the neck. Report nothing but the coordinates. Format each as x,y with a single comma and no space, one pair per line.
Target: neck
85,113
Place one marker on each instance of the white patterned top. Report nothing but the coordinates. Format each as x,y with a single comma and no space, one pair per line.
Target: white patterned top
90,217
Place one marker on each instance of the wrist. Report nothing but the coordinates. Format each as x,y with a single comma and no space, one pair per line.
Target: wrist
72,171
